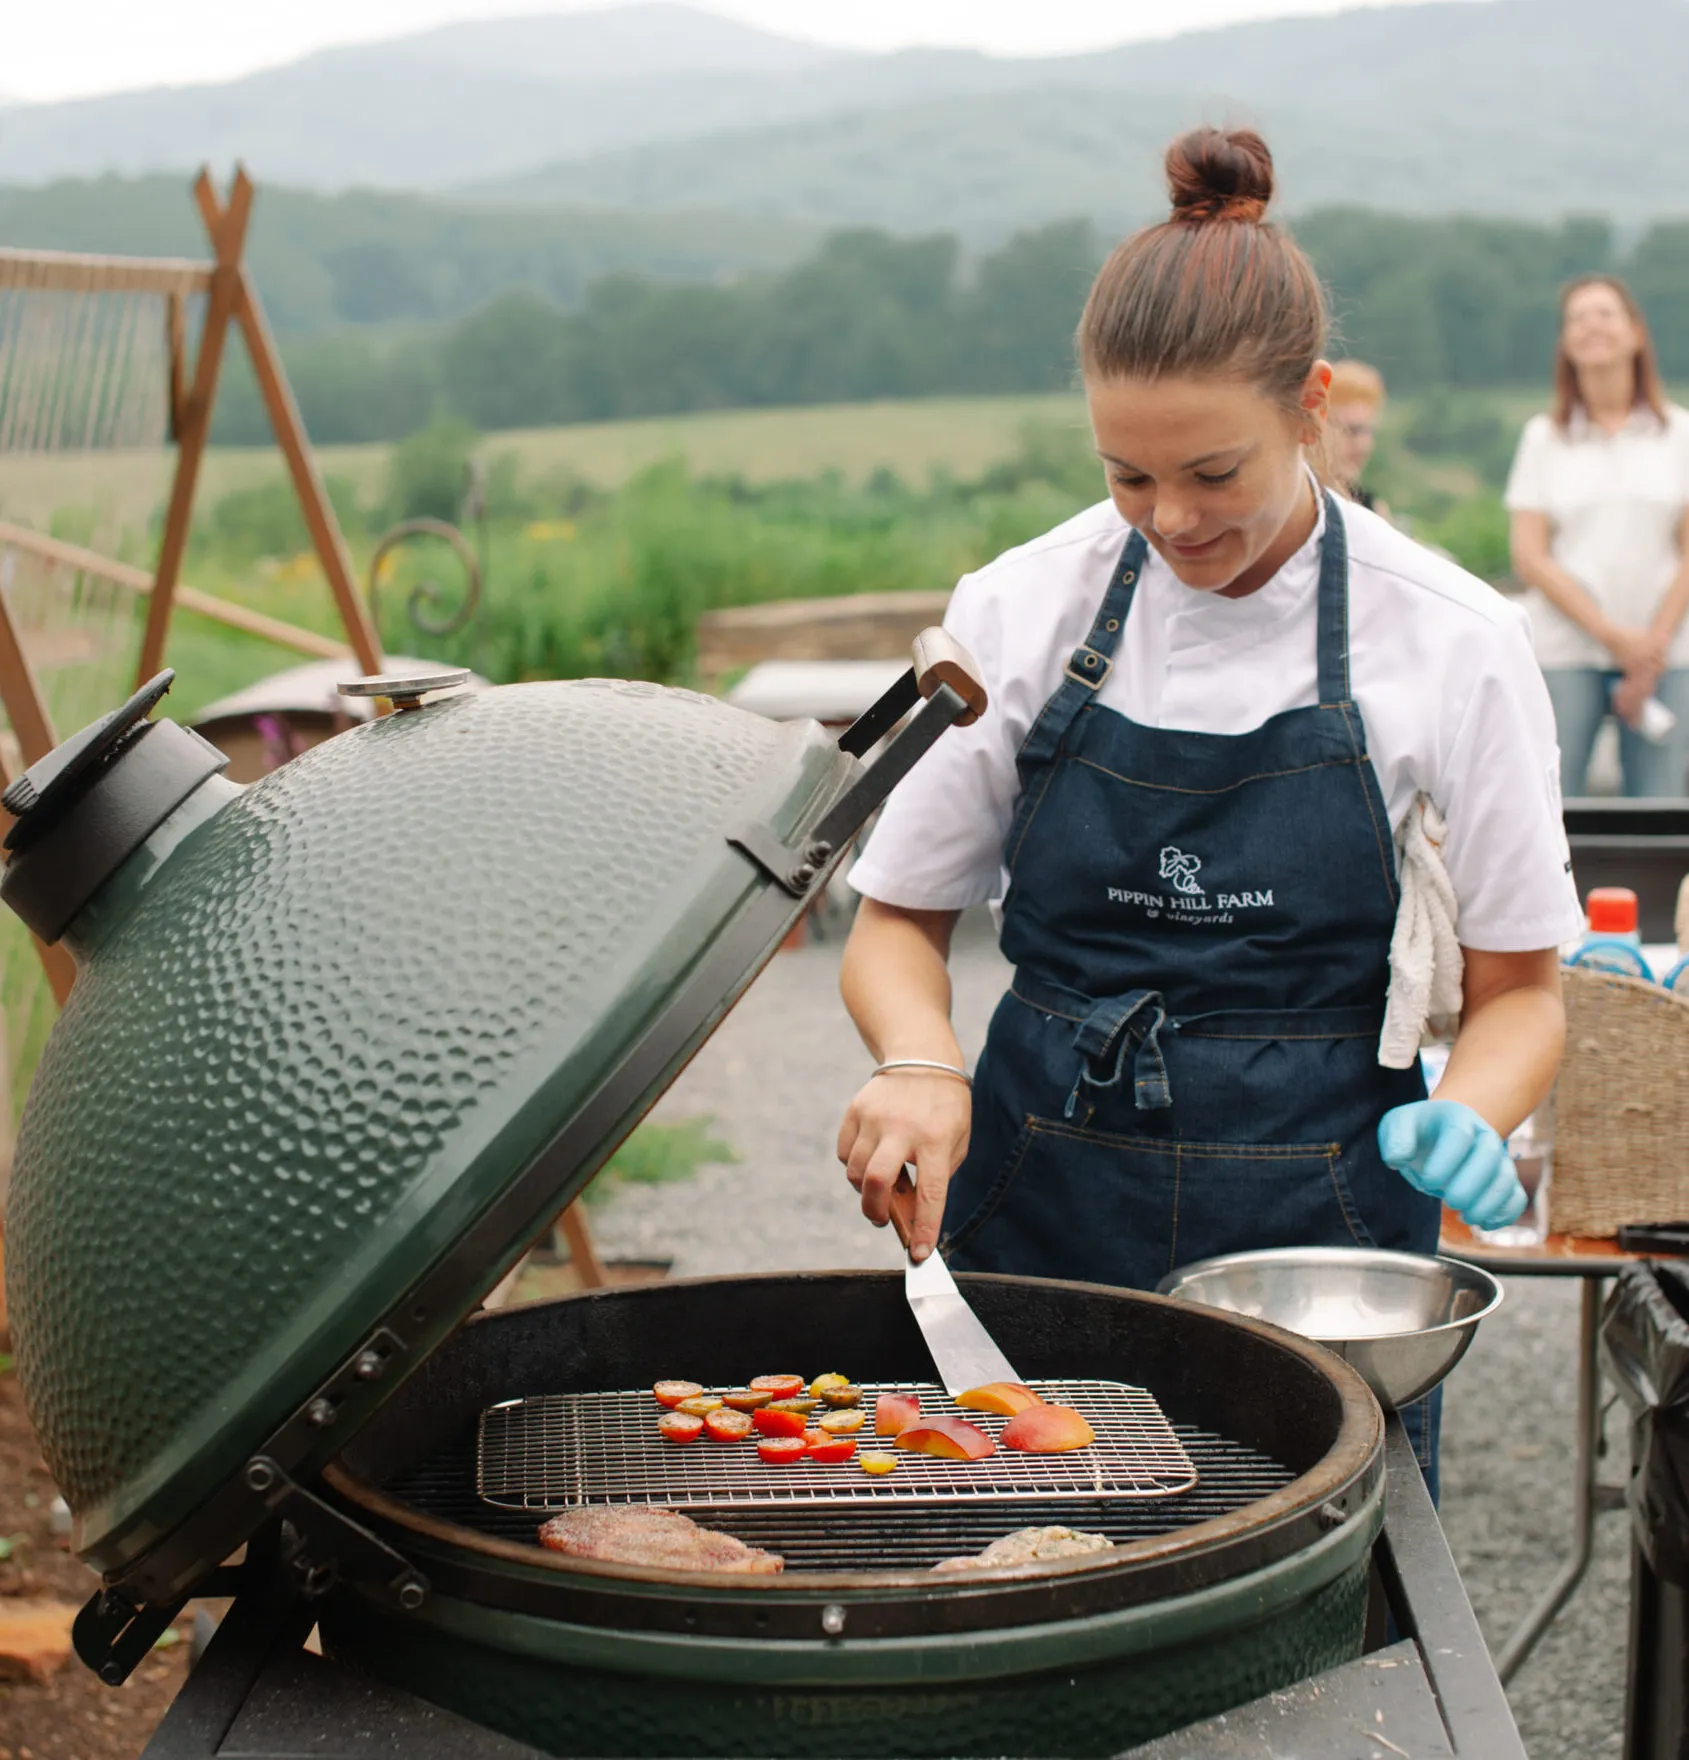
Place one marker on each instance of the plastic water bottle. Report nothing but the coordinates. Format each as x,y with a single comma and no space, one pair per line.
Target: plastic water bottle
1654,721
1612,943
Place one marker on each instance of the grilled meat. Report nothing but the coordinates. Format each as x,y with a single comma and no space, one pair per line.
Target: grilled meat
1029,1546
661,1539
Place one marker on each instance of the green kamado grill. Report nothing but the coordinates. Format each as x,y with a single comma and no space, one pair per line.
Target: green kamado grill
340,1047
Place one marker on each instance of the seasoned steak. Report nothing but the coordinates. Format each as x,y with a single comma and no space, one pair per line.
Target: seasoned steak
1030,1546
661,1539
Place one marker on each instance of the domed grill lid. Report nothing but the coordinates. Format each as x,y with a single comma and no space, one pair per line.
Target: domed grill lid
361,1031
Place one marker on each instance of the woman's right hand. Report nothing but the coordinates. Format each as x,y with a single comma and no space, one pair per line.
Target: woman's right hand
903,1117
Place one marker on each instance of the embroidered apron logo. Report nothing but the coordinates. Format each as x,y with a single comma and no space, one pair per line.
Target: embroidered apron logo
1189,902
1181,870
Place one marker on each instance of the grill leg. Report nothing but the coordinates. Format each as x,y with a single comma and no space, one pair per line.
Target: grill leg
1585,1499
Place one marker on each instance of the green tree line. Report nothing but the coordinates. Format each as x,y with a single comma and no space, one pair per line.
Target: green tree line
1433,302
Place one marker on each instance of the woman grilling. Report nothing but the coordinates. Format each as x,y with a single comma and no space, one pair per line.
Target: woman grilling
1219,699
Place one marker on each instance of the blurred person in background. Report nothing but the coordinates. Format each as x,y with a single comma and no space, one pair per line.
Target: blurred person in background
1599,499
1357,405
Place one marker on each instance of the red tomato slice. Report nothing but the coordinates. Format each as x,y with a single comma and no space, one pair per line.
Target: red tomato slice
680,1426
833,1449
726,1426
780,1386
781,1451
671,1393
771,1423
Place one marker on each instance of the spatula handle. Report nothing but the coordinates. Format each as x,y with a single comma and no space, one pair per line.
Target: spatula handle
903,1207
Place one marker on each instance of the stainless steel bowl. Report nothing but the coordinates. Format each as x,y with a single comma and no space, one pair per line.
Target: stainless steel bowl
1402,1319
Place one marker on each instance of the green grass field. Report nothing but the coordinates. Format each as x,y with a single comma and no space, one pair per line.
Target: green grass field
1439,461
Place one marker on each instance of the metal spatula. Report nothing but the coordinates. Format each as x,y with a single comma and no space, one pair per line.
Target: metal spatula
963,1352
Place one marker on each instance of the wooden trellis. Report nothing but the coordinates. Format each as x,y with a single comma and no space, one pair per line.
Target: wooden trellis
109,367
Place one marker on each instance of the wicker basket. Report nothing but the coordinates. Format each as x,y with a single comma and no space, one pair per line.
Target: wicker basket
1621,1106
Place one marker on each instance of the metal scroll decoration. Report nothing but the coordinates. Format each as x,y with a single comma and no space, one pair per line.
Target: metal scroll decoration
427,597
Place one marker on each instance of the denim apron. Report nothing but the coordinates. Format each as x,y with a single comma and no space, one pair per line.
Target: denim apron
1186,1062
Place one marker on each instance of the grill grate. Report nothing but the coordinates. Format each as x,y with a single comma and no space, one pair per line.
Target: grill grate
891,1536
557,1450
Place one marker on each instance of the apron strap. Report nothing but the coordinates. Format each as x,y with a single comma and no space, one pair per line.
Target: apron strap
1090,662
1334,685
1115,1025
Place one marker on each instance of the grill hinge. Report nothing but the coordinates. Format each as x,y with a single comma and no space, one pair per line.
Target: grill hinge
328,1546
112,1633
792,870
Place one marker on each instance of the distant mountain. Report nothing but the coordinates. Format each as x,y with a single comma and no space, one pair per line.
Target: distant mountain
1505,107
323,262
1528,107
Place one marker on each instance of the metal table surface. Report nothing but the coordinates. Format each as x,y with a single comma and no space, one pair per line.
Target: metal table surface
1594,1261
1432,1694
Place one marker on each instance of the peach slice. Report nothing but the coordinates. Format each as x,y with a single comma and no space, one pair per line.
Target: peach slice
1005,1398
895,1412
951,1439
1043,1429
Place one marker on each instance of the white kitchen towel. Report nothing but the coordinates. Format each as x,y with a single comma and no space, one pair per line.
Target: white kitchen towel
1426,964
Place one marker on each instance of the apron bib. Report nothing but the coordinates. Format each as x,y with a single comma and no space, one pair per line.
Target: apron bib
1186,1062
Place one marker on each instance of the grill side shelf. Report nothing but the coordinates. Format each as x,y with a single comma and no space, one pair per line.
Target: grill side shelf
555,1451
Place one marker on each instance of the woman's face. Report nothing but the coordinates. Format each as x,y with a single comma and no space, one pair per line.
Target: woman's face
1596,330
1353,429
1208,469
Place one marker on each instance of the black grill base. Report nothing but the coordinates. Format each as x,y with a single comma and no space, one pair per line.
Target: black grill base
892,1537
255,1696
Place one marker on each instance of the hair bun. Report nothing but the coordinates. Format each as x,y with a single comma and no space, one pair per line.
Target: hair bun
1219,174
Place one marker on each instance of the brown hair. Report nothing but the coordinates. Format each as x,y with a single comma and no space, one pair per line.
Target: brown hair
1215,288
1646,388
1356,382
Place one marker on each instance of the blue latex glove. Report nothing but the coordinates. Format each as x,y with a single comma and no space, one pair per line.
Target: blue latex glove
1447,1151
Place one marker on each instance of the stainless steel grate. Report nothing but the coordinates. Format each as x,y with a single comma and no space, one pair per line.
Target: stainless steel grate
556,1450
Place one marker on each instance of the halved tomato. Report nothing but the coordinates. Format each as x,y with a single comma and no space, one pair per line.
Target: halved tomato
746,1399
832,1449
671,1393
782,1451
680,1426
769,1422
843,1423
728,1426
780,1386
700,1405
878,1464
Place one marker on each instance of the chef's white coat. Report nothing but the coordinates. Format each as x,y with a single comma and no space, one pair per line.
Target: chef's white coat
1441,665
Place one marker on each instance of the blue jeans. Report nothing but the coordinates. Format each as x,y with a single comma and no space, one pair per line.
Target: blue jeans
1582,699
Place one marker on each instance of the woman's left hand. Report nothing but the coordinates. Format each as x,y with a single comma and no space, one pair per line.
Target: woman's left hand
1446,1150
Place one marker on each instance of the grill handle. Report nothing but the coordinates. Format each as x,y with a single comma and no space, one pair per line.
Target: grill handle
940,659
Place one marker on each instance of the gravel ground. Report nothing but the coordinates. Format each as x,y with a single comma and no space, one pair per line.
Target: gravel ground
775,1079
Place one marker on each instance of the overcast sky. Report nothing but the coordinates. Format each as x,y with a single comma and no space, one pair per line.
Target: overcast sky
70,48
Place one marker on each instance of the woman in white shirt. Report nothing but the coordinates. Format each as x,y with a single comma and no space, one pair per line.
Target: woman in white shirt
1213,698
1599,497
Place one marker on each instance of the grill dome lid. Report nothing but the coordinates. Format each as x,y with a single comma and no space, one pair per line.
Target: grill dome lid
342,1044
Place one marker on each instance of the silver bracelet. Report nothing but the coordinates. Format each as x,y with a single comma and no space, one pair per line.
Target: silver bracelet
948,1069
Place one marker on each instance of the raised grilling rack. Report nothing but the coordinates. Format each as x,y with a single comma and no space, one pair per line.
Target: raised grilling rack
553,1451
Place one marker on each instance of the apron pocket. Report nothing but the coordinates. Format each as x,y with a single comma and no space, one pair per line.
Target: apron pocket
1098,1207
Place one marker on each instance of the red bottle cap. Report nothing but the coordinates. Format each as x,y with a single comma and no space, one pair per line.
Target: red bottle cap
1612,910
